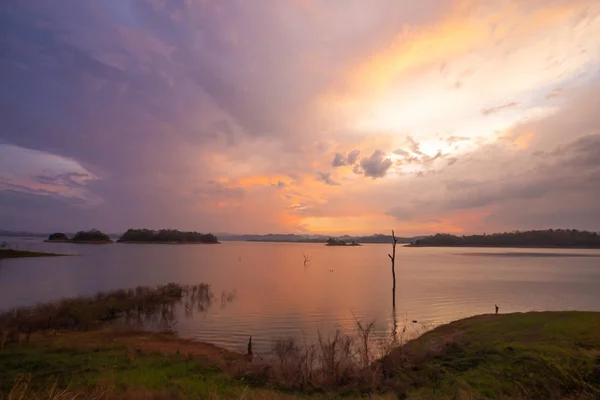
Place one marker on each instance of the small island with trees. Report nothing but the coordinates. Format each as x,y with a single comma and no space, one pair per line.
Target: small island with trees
336,242
550,238
166,236
93,236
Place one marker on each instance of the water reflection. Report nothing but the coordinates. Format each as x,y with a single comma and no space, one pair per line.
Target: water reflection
278,297
150,308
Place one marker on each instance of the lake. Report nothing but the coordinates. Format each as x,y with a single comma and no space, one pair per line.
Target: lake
277,296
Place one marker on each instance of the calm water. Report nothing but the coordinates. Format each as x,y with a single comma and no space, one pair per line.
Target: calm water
276,296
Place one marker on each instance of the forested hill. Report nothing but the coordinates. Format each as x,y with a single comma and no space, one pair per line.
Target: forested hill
539,238
166,236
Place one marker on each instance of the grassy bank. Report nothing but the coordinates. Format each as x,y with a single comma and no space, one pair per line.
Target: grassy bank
113,364
545,355
10,253
550,355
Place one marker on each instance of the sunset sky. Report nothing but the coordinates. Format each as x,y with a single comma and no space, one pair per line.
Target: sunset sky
300,116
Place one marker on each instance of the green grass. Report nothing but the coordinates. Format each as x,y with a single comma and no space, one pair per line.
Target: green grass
122,364
81,362
10,253
114,369
542,355
550,355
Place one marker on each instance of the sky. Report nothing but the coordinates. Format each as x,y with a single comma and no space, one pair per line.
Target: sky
300,116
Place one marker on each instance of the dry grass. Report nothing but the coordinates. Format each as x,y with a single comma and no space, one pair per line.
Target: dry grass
345,363
139,307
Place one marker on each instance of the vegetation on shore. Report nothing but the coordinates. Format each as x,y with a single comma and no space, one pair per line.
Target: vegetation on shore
568,238
93,236
336,242
137,308
11,253
166,236
92,347
535,355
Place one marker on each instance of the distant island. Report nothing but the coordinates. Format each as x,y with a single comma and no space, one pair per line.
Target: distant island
558,238
58,237
93,236
337,242
166,236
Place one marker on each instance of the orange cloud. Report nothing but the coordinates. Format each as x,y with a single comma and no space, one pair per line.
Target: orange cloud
470,26
261,180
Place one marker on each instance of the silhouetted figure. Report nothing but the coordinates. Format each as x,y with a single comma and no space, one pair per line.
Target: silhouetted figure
496,308
249,355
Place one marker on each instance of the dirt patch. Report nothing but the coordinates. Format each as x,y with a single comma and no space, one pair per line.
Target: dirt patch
172,345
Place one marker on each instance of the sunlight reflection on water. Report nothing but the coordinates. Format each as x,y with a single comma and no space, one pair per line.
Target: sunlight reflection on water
277,296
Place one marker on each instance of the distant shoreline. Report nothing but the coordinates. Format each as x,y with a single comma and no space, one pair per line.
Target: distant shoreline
80,241
504,246
151,242
304,241
11,253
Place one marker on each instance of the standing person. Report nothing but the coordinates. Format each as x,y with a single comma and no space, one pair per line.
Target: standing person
496,308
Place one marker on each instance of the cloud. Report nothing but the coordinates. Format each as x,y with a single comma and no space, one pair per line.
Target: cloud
326,178
339,160
152,100
457,139
412,148
353,156
401,152
492,110
375,166
279,185
69,179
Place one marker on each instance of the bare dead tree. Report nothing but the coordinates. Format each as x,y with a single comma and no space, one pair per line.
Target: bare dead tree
249,353
393,258
307,259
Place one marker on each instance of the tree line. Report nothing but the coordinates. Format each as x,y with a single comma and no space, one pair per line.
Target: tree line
91,236
166,236
534,238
